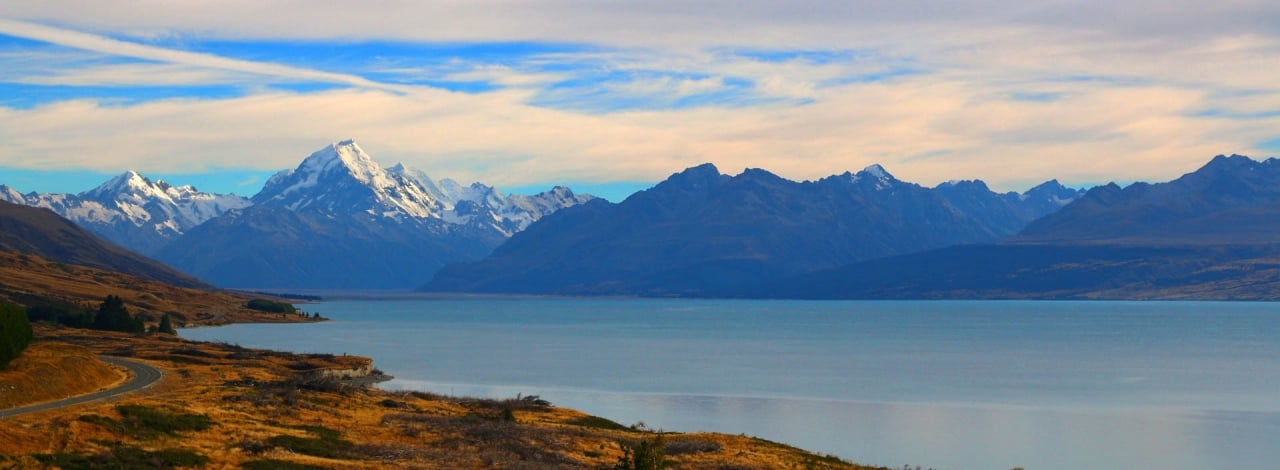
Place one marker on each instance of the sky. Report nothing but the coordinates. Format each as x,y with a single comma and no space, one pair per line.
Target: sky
610,96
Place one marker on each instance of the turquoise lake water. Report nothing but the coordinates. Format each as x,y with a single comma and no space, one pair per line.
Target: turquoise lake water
949,385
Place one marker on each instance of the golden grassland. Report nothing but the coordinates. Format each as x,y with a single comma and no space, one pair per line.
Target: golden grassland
28,276
224,406
49,371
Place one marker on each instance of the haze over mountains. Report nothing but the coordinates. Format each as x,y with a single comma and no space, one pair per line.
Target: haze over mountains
700,232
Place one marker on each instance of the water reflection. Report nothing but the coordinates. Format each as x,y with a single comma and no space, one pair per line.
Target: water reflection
943,436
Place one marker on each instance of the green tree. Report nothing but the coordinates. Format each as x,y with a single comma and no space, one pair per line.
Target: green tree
15,332
644,455
113,316
166,326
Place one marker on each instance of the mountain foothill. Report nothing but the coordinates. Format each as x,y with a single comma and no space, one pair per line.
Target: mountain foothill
339,220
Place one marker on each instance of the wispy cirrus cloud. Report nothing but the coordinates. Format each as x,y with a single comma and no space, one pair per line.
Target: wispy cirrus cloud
523,93
114,47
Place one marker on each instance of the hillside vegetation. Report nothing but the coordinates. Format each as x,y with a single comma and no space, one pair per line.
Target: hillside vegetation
51,370
33,281
42,233
224,406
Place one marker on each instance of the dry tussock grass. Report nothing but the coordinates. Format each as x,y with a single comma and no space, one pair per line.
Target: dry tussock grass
263,411
50,370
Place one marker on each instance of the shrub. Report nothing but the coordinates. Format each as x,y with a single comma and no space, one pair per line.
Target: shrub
127,457
15,332
270,306
166,326
113,316
327,443
274,464
647,454
145,418
599,423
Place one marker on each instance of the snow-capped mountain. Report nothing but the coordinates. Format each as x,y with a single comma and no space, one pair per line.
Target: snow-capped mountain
342,178
483,205
134,211
341,220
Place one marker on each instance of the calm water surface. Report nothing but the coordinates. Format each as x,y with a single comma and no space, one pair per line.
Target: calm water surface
950,385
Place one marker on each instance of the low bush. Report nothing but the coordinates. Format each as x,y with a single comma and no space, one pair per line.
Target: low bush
126,457
270,306
144,420
597,422
274,464
327,443
15,332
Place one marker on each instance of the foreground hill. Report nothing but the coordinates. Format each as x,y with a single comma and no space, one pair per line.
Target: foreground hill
700,231
1213,234
224,406
29,280
42,233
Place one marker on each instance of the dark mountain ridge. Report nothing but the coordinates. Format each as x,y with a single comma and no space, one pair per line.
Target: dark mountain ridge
1211,234
700,231
43,233
1230,200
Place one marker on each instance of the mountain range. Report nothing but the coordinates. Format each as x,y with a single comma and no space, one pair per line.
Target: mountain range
132,210
341,221
1210,234
700,232
338,220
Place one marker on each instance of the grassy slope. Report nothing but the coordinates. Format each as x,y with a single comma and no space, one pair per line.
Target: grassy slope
25,278
260,412
50,370
43,233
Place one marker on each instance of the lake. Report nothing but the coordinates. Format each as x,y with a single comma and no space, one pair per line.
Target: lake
944,384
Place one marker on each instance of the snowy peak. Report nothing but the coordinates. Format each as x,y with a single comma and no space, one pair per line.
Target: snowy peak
341,178
134,211
344,156
876,171
874,175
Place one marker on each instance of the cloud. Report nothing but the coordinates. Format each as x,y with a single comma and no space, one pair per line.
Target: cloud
1012,92
105,45
498,138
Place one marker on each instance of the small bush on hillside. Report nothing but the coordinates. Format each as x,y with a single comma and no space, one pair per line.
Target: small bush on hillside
647,454
270,306
143,420
274,464
113,316
597,422
166,326
126,457
15,332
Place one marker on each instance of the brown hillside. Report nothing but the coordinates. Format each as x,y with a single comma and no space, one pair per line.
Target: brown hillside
43,233
28,279
224,406
50,370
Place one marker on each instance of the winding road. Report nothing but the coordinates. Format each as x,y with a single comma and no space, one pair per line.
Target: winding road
143,376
